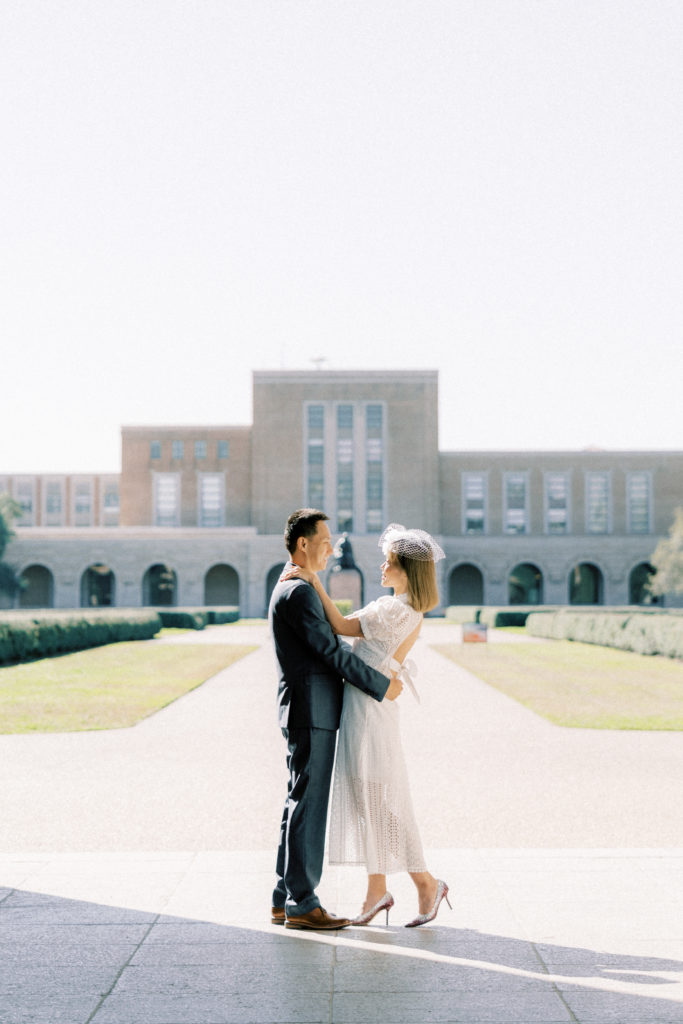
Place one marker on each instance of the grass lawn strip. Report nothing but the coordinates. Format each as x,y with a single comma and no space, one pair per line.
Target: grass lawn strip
580,685
110,687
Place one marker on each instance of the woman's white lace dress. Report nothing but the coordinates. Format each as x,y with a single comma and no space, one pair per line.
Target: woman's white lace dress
371,819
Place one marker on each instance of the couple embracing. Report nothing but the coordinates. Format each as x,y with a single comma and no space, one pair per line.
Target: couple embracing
325,686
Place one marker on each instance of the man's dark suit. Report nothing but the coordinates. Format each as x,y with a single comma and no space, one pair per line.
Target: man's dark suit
311,663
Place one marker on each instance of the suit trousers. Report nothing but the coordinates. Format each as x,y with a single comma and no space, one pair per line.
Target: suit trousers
302,832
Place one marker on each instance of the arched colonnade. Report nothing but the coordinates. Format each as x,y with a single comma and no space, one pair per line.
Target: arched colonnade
525,584
465,584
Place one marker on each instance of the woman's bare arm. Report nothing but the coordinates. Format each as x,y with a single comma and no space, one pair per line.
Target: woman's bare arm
338,622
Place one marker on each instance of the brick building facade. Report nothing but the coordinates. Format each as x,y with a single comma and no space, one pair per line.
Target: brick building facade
196,515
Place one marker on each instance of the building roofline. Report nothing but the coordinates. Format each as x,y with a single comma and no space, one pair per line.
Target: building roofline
171,427
590,452
346,375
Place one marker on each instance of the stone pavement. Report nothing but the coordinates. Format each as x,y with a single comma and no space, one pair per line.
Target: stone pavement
136,869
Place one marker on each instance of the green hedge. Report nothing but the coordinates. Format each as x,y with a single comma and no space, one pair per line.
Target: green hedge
510,615
219,616
25,635
183,618
460,613
490,615
197,618
644,632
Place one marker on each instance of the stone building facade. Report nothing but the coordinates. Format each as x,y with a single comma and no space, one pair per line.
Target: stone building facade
196,515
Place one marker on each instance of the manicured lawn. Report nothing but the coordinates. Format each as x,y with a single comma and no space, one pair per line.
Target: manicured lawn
110,687
580,685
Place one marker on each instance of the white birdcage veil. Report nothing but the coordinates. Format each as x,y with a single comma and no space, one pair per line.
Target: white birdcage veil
410,543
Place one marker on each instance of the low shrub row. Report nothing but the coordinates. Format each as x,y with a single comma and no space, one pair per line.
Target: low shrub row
646,632
510,615
514,615
25,635
219,616
183,618
460,613
196,618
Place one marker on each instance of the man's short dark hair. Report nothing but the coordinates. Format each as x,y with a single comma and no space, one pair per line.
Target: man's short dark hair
302,523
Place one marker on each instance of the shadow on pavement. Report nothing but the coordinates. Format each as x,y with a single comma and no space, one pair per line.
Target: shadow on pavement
78,962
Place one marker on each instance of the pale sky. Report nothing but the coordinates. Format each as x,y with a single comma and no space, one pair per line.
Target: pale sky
193,190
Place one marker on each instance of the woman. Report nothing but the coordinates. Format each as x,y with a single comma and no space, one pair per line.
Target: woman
372,820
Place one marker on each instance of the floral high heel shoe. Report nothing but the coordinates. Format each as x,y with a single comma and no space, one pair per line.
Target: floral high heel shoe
386,903
441,894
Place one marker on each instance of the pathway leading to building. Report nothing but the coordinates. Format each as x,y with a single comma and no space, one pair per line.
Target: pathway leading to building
136,868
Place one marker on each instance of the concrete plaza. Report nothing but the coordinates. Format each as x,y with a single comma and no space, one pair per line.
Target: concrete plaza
136,869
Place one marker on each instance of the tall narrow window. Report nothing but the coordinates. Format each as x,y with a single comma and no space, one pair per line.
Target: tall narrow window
223,449
374,468
54,503
315,456
516,512
166,499
597,503
474,503
82,503
24,495
110,498
211,499
177,449
556,503
638,497
344,463
110,508
155,449
200,450
345,468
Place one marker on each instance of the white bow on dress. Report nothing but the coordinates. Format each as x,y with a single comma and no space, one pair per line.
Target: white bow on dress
406,673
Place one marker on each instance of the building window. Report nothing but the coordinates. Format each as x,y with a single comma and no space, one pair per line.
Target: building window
200,449
597,503
474,503
110,507
177,449
516,513
82,503
54,503
211,499
110,498
374,468
556,503
315,455
638,501
166,499
345,451
24,495
344,463
155,449
223,449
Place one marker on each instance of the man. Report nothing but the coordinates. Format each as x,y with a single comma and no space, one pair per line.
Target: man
311,663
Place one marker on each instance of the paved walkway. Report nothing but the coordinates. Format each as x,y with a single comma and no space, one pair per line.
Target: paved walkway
136,868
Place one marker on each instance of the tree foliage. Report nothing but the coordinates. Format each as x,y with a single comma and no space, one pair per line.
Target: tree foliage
667,561
9,510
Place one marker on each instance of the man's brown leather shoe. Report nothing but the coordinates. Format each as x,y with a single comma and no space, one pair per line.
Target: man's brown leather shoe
317,920
277,915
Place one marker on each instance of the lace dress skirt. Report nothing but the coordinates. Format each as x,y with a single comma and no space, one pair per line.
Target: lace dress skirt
371,819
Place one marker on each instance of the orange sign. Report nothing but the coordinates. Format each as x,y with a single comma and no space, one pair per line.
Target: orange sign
474,633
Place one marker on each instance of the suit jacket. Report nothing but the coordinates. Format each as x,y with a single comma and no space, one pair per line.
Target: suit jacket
312,662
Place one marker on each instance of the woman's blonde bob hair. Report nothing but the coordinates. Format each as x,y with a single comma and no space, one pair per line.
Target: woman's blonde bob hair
423,592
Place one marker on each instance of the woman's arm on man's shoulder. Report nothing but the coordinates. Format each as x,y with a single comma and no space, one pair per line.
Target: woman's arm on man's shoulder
304,615
340,624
